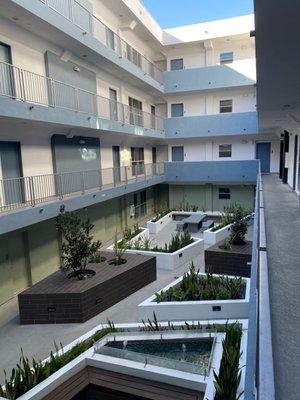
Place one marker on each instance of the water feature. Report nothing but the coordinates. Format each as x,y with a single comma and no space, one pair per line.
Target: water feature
191,351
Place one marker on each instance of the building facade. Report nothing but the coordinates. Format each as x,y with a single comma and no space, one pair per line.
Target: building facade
106,113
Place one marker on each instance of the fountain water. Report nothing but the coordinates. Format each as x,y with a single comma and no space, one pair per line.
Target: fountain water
183,351
125,344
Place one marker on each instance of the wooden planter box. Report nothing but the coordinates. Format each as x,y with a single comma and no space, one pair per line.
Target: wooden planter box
229,262
57,299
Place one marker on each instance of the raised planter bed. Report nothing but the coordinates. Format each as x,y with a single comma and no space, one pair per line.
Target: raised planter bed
212,238
76,372
194,252
230,262
57,299
155,227
194,310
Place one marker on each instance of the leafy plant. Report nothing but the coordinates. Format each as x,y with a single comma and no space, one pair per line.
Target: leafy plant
239,226
226,246
119,251
27,375
146,243
195,287
227,381
78,246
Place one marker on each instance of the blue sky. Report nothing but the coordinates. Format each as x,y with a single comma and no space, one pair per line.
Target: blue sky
170,13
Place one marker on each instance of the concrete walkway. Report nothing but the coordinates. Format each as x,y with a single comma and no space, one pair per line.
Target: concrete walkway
37,340
282,213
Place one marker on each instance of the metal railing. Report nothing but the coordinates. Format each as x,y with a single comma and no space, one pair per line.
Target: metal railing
30,87
259,374
89,23
32,190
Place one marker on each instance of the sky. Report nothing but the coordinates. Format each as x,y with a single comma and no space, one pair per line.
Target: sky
171,13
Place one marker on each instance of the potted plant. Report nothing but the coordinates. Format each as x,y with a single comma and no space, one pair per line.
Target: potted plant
78,246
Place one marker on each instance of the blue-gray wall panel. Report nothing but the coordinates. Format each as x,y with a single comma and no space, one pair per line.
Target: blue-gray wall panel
65,118
235,172
212,125
206,78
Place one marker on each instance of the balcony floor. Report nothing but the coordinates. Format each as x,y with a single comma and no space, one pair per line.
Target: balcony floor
282,215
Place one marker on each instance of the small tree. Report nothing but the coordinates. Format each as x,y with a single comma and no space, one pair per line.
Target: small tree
238,217
78,246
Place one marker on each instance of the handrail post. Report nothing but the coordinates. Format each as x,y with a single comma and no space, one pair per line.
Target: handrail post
82,174
76,99
52,92
126,177
22,85
31,191
59,186
100,179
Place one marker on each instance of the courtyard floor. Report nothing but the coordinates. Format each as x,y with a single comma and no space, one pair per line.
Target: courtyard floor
38,340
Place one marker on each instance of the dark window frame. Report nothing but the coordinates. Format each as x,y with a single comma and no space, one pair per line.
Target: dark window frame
173,61
226,106
226,57
224,193
177,104
223,152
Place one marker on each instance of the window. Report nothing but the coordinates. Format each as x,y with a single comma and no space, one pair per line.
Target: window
176,64
225,106
226,58
136,114
137,160
140,204
177,153
177,110
225,150
224,193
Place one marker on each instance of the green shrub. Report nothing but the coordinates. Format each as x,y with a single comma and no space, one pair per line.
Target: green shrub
119,250
78,246
27,375
227,381
194,286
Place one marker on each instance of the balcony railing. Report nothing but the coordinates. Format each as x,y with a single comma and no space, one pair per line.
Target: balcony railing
87,22
27,191
30,87
259,374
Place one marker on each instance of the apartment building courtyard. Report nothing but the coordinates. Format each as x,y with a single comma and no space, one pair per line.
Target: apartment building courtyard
149,191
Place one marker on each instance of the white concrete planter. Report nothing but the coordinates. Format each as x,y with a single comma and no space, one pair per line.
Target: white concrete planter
194,310
194,252
155,227
123,366
215,237
145,232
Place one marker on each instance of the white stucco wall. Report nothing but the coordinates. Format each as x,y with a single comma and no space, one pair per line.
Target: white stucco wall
243,100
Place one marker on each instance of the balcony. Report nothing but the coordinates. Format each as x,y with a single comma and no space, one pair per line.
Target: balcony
40,197
57,102
245,123
202,79
74,27
213,172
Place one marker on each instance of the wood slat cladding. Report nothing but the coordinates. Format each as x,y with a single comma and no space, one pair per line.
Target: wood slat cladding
130,385
69,389
144,388
57,299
